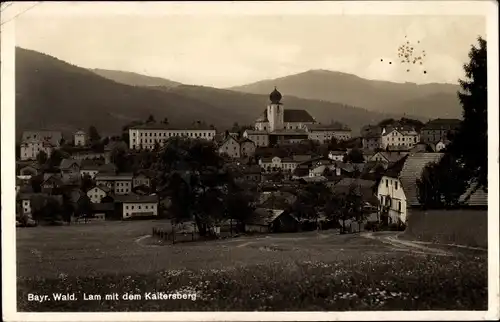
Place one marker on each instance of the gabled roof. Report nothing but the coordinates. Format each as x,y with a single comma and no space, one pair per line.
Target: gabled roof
67,163
112,177
229,138
54,137
394,170
391,156
474,196
412,170
246,140
102,187
161,126
80,132
263,216
256,132
297,116
361,187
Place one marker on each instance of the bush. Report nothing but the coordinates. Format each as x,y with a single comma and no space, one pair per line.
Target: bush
372,225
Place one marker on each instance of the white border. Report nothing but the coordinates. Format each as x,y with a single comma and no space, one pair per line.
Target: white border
488,9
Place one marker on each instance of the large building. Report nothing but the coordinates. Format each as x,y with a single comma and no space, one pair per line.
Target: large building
438,130
278,125
33,142
146,136
324,133
396,138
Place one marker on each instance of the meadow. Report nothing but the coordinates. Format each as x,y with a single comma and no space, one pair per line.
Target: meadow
301,271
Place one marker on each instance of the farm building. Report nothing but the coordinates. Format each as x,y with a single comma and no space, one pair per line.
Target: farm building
271,220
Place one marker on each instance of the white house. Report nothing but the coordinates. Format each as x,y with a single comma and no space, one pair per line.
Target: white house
399,138
276,163
137,206
397,189
25,203
80,138
148,135
33,142
336,155
96,193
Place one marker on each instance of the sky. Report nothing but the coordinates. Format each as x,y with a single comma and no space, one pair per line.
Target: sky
229,50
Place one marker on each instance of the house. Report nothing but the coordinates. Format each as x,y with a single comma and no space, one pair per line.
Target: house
438,129
89,168
146,136
399,138
34,142
70,168
131,205
371,137
397,190
51,181
260,138
271,220
121,184
103,211
29,170
80,138
230,147
442,144
324,133
336,155
141,179
388,157
25,200
87,154
252,173
97,193
247,147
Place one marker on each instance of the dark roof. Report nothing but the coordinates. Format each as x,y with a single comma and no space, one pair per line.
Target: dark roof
412,170
371,131
54,137
66,163
105,206
102,187
110,177
362,187
391,156
474,196
263,216
297,116
442,124
394,170
135,198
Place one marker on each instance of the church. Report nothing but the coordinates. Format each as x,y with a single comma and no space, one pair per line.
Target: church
278,125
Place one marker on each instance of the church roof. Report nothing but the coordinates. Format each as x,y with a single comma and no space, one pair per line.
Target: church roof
291,116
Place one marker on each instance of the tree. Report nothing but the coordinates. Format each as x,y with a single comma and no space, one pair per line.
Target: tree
151,119
470,144
86,183
354,156
84,207
41,158
442,183
94,136
55,158
36,183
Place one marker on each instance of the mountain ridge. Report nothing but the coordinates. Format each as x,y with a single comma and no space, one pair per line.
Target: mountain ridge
51,93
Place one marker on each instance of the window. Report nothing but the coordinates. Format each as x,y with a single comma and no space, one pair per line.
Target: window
138,207
386,183
132,207
396,185
126,207
399,205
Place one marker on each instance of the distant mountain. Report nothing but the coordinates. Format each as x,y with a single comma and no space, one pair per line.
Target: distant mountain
247,107
374,95
53,94
134,79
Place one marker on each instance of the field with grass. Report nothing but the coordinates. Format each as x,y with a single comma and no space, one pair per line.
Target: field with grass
302,271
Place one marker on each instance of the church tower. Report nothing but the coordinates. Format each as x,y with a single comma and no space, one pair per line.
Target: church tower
275,111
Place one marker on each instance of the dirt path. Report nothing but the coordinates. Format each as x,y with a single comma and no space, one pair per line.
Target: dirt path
406,245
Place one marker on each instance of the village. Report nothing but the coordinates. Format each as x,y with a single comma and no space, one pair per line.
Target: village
288,173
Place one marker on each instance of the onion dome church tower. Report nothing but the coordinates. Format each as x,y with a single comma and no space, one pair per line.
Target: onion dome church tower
275,111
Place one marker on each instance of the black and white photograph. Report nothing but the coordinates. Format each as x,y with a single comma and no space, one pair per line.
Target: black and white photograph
234,160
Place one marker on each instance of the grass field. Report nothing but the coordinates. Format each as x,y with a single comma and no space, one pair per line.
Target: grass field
302,271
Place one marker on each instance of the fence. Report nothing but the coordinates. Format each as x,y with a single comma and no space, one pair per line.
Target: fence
183,236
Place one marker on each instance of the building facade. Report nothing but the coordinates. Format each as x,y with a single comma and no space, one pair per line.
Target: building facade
147,136
438,130
324,133
399,138
80,138
97,193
